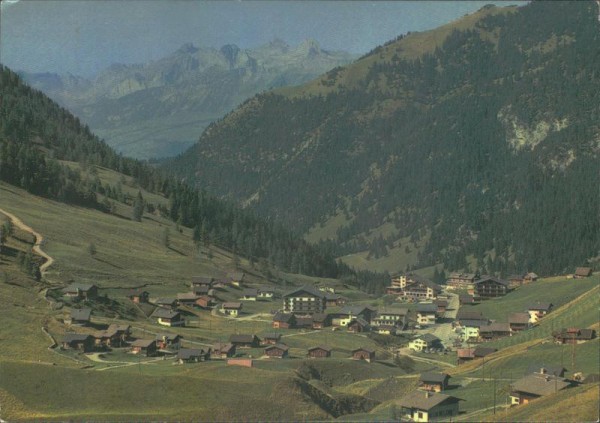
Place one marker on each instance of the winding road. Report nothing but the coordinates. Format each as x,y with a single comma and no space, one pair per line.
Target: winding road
37,247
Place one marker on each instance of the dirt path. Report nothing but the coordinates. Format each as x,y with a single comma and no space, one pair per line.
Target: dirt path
38,240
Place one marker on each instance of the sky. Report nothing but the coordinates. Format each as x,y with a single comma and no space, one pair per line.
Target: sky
82,37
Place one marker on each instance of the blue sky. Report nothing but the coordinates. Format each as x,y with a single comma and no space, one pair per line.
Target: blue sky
85,36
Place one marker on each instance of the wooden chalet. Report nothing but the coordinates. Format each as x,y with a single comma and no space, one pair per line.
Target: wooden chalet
265,293
427,406
232,309
187,299
203,290
236,278
166,302
537,311
469,315
397,317
79,317
165,341
249,294
434,381
518,322
582,272
467,354
573,335
245,341
427,314
167,317
466,299
494,331
490,287
304,300
459,280
352,312
358,325
223,350
425,341
139,296
442,306
192,355
334,300
205,281
284,321
277,351
321,320
516,281
145,347
534,386
321,351
81,291
304,322
270,338
108,338
204,301
78,341
365,354
124,331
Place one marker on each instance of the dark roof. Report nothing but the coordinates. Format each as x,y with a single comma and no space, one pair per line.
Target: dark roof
592,378
143,343
281,347
434,377
355,310
188,353
540,306
164,313
427,308
266,289
495,327
483,351
473,323
574,333
250,292
491,279
308,289
465,298
429,338
236,276
204,280
321,347
223,347
360,321
464,314
457,275
244,339
518,318
167,337
583,271
369,350
81,314
441,303
331,296
550,370
187,296
283,317
425,400
320,317
304,321
165,300
201,290
271,336
235,305
393,311
75,337
539,384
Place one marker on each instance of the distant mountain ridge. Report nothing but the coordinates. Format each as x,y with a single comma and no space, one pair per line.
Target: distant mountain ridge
159,108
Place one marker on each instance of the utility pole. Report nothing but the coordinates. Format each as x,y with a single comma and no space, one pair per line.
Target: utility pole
494,396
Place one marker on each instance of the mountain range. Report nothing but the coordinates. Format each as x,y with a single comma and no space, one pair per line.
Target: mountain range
474,145
158,109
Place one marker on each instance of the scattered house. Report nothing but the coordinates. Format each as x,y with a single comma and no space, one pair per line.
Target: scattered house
284,321
334,300
467,354
426,314
321,320
391,317
547,370
413,286
145,347
490,287
534,386
494,331
192,355
461,280
79,316
245,341
516,281
321,351
365,354
204,301
433,381
232,309
466,299
304,300
427,406
304,322
518,322
464,314
271,338
123,331
223,350
582,272
265,293
139,295
166,302
537,311
202,281
249,294
166,341
78,341
442,305
349,313
358,325
386,330
202,290
277,351
187,299
573,335
424,342
470,329
236,278
80,290
167,317
107,338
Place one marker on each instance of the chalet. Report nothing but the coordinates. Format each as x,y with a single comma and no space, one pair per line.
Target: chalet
433,381
167,317
245,341
123,331
349,313
277,351
107,338
494,331
466,299
249,294
470,329
421,289
490,287
304,322
426,314
334,300
192,355
424,342
358,325
365,354
427,406
79,316
573,335
187,299
139,296
81,291
166,341
304,300
145,347
270,338
461,280
442,305
391,317
465,315
284,321
203,290
518,322
537,311
516,281
321,351
547,370
166,302
205,281
321,320
582,272
386,330
534,386
204,301
467,354
265,293
236,278
223,350
232,309
78,341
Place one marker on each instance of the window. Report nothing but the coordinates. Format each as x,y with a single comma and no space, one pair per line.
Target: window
420,415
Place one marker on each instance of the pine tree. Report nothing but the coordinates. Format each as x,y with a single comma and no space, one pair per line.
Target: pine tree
138,207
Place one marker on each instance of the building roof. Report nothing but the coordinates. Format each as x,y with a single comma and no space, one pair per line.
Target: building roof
369,350
359,321
168,337
143,343
464,314
266,289
233,305
81,314
242,338
321,347
188,353
355,310
165,300
281,347
519,318
271,336
250,292
392,312
119,328
429,338
320,317
425,400
540,306
441,303
539,384
187,296
307,289
236,276
222,347
473,323
434,377
541,368
135,292
427,308
164,313
574,333
483,351
203,280
75,337
495,327
477,352
201,290
491,279
330,296
583,271
283,317
458,275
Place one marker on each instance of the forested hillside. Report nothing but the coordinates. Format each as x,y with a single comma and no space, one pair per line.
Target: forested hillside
484,144
37,137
